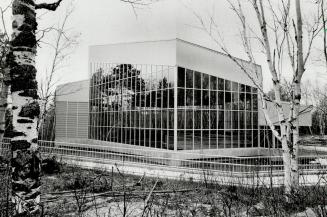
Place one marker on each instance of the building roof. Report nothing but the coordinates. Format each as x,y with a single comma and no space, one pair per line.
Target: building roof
175,52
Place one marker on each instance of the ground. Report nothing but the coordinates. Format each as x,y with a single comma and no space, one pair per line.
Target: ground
81,192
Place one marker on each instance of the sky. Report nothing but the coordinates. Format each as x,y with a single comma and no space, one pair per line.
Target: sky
112,21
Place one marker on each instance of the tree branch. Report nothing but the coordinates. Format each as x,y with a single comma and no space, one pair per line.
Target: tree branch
51,7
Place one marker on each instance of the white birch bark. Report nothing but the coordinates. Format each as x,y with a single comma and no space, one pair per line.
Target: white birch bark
26,162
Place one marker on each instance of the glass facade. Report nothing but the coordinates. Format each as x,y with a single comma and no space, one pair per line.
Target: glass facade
134,104
214,113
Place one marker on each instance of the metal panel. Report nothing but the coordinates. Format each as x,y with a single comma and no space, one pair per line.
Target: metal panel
72,119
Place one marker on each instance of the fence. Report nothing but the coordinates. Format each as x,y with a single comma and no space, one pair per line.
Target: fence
5,178
170,164
227,169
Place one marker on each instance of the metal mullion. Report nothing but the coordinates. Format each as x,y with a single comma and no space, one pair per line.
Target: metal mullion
139,108
185,91
121,104
168,108
162,87
143,113
238,114
98,107
130,87
193,109
155,112
115,110
209,110
224,110
201,110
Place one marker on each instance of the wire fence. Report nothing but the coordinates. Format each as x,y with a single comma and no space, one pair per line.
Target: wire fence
170,164
5,178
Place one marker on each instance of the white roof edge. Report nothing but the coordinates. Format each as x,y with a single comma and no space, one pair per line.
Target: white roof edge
173,39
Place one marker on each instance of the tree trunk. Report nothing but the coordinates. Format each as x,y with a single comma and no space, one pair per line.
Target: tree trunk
26,160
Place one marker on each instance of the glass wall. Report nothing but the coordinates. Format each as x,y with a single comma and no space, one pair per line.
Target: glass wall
215,113
132,104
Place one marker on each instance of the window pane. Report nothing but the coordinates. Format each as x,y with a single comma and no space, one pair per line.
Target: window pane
197,97
189,97
235,120
228,100
255,102
213,119
197,80
220,84
247,89
248,101
171,119
248,120
228,85
221,100
197,139
205,98
249,138
235,86
242,88
213,83
221,119
213,99
205,119
171,98
235,101
213,139
221,139
189,139
189,78
228,139
181,97
197,119
242,101
242,121
235,138
189,119
205,139
205,82
180,119
255,120
181,77
180,140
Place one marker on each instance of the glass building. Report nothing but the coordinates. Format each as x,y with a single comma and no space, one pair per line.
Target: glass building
135,104
166,95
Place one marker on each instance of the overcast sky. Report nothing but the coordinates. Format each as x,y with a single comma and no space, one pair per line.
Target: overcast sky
112,21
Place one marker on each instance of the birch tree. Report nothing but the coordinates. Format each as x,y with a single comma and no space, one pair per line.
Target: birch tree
279,34
26,162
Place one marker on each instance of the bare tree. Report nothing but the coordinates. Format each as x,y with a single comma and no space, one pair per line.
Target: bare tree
280,36
62,47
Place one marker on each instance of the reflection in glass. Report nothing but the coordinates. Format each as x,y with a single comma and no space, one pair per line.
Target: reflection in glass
134,104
